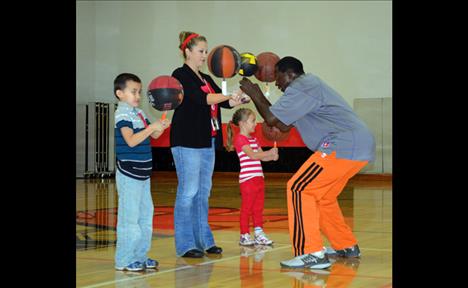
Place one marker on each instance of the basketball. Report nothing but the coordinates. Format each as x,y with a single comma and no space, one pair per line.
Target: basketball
165,93
224,61
272,133
248,65
266,62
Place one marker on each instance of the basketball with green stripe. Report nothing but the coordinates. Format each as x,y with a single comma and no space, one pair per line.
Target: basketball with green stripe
248,65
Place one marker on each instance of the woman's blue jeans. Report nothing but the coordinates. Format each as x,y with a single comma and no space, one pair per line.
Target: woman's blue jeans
194,168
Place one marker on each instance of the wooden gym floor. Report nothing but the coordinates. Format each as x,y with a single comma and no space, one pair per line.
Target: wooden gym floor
366,204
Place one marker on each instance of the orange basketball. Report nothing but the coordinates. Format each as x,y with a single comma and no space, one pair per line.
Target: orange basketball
224,61
272,133
266,62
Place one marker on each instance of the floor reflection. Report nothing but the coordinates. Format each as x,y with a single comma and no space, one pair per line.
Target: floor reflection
192,270
251,265
129,279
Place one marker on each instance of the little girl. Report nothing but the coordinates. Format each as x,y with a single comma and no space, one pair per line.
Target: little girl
251,175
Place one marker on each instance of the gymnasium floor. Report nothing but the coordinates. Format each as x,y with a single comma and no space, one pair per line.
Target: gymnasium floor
366,204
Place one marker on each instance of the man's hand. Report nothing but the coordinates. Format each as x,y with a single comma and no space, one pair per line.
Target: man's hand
253,90
262,104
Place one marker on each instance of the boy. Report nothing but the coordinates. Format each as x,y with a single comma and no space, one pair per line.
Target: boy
134,167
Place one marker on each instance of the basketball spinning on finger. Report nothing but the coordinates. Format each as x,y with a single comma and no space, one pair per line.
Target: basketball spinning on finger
248,65
224,62
266,62
165,93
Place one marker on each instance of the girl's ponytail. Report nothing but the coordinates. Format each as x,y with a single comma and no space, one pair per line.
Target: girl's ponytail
229,144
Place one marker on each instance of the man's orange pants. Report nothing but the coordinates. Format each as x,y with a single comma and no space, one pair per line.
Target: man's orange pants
313,205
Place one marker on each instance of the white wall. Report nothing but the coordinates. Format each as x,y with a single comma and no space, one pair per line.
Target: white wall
376,112
346,43
85,51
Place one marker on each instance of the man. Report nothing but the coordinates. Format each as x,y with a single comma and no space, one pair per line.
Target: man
343,145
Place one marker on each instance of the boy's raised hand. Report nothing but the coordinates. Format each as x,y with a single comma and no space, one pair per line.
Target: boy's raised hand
165,123
156,126
160,125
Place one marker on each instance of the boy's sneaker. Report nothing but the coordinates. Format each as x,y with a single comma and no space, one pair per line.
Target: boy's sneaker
151,264
261,239
245,240
307,260
135,266
351,252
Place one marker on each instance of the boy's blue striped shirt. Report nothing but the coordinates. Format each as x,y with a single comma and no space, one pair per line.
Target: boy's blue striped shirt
134,162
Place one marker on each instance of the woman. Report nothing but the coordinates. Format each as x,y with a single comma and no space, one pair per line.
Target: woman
195,134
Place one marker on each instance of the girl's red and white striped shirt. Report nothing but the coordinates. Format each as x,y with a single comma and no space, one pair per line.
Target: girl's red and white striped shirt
249,168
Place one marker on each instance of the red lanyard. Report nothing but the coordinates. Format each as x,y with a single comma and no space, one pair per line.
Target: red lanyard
208,89
143,119
214,108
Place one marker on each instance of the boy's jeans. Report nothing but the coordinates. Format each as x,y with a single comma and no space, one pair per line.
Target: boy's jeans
194,171
134,220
